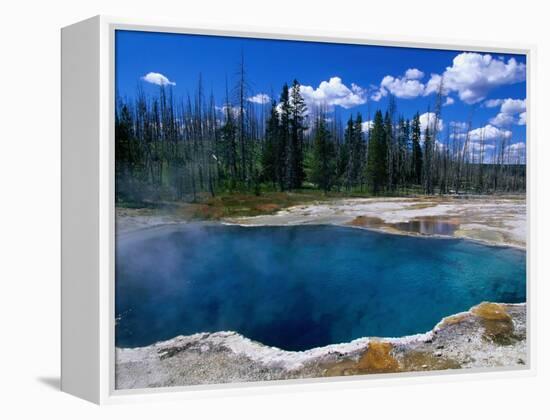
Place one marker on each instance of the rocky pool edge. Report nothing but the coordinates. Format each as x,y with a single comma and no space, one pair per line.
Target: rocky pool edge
487,335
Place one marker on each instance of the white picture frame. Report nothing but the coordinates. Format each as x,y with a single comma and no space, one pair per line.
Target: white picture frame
88,232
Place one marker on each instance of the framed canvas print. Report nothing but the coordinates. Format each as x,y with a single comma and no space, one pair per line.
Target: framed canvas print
245,208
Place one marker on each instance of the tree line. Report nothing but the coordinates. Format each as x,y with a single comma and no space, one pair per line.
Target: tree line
171,148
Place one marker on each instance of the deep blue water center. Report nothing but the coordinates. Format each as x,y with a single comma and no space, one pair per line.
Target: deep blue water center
301,287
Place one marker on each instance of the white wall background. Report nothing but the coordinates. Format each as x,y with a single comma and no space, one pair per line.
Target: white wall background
29,206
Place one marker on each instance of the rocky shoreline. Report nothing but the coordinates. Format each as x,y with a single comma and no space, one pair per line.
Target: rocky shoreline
491,221
488,220
488,335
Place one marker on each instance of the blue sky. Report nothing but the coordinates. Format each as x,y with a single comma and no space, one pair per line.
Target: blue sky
348,78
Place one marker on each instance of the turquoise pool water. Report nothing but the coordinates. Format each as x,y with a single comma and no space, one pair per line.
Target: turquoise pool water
300,287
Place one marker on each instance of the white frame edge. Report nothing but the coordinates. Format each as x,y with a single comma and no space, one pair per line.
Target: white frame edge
95,381
80,138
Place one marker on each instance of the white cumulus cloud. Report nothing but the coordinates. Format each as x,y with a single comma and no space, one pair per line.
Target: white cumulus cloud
488,133
473,75
516,153
427,120
333,92
259,98
512,111
407,86
157,79
516,147
480,140
493,103
413,74
502,119
448,101
513,106
435,84
367,125
224,109
378,94
402,87
458,125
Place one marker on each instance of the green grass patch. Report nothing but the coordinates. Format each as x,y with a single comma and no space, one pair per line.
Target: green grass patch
246,204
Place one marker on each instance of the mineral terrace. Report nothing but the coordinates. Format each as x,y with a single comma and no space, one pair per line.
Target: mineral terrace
489,335
494,221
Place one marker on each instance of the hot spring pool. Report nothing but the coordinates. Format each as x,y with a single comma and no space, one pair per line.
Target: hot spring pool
300,287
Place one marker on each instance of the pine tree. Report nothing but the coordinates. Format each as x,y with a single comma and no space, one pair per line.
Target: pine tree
229,145
346,155
390,145
270,153
323,171
123,145
283,139
402,149
342,156
416,151
428,157
377,158
358,154
242,91
353,152
298,110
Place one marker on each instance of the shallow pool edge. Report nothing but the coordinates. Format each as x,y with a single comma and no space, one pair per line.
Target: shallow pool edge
459,340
